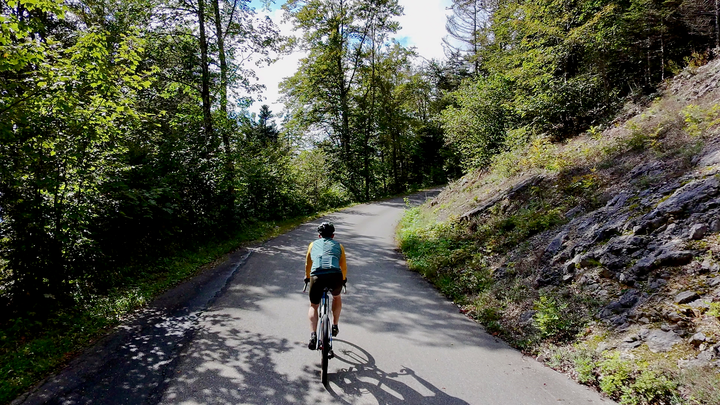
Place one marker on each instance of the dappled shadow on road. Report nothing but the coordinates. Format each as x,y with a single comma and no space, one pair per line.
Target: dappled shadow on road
127,367
363,378
230,365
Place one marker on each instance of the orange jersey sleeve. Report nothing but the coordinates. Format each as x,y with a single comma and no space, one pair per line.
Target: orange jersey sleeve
343,262
308,261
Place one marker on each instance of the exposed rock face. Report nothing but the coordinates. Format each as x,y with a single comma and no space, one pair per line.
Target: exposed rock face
659,341
697,339
631,247
698,231
638,240
686,296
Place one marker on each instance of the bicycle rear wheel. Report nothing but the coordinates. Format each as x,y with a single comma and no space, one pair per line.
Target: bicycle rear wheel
325,336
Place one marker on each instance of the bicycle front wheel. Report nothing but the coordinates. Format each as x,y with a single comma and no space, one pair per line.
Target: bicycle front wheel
325,336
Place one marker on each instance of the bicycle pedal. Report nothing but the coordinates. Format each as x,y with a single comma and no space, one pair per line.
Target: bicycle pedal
331,354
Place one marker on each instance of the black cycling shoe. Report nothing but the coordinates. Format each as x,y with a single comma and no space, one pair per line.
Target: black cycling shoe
312,345
335,330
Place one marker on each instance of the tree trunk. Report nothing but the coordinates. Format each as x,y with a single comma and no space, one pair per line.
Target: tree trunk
648,72
229,167
662,49
476,32
717,23
371,116
205,91
221,56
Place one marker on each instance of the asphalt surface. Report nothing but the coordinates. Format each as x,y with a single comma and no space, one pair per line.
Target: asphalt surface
242,338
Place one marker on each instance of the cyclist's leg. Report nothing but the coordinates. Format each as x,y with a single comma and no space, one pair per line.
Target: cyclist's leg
313,316
336,307
337,280
315,293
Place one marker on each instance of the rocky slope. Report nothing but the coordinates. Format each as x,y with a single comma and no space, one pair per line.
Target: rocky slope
637,231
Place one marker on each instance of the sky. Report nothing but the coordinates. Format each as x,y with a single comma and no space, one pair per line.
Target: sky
422,27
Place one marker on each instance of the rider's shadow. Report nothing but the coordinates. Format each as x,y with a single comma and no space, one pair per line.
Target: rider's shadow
363,378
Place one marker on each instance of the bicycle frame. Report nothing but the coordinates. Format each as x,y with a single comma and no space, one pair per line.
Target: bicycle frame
323,332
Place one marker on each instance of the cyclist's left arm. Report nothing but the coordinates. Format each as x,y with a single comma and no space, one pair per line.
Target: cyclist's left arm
308,262
343,262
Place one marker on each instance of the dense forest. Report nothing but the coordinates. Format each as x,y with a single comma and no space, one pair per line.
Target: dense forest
125,130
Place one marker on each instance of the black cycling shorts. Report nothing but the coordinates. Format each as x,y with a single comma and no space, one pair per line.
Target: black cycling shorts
318,283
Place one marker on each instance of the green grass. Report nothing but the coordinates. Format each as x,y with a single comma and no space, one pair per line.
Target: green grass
456,260
703,383
32,347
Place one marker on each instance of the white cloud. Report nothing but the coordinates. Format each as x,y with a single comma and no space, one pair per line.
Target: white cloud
422,27
272,75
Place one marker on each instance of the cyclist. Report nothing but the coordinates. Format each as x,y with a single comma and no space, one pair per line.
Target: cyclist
325,265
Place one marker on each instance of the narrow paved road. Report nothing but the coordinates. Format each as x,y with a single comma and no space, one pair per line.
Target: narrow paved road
400,341
237,334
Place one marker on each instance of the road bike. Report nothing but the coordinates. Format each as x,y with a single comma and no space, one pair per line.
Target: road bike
324,331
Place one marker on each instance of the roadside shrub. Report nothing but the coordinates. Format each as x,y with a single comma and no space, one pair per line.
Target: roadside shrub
488,311
714,309
550,316
649,387
696,60
639,138
478,121
698,119
615,373
504,231
584,362
427,248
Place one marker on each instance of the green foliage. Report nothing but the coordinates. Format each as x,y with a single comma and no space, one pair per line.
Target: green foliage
695,60
628,380
633,384
477,127
359,97
313,184
551,316
584,362
714,309
558,69
30,348
505,231
583,185
111,169
488,311
698,120
427,248
648,388
638,140
615,373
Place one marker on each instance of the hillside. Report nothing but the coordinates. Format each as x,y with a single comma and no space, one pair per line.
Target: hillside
600,255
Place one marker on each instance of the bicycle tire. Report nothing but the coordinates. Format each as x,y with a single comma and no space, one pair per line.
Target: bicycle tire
325,349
